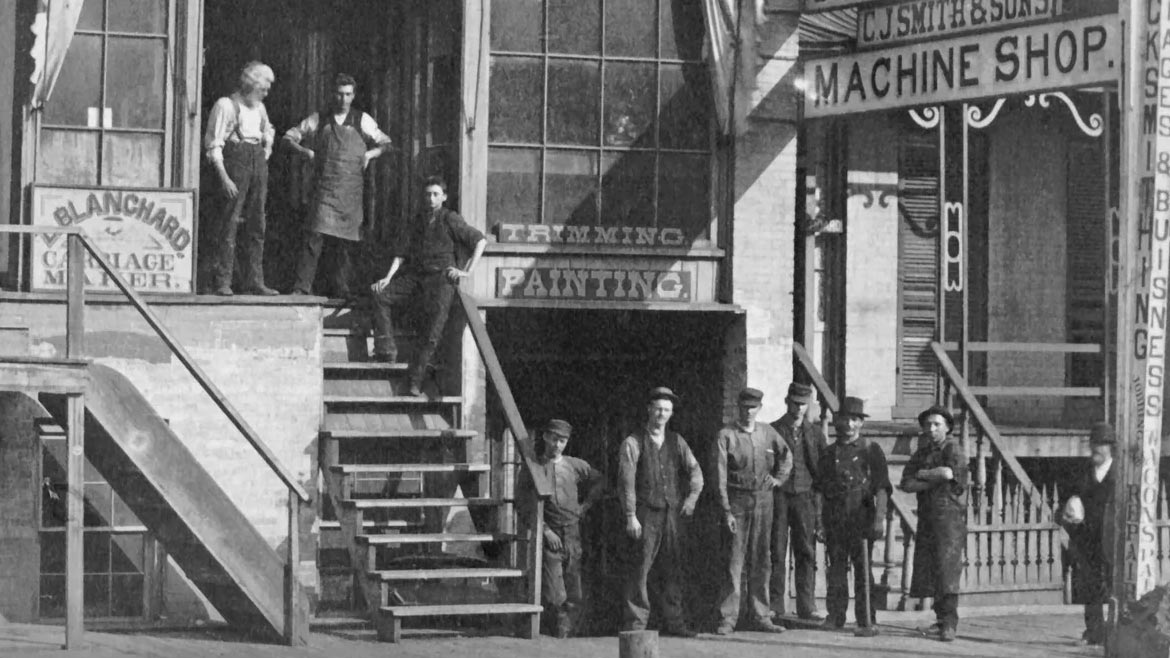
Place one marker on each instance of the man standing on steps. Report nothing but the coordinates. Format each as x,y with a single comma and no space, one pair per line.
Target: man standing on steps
429,256
751,461
853,478
1089,515
659,481
796,515
341,144
560,584
938,473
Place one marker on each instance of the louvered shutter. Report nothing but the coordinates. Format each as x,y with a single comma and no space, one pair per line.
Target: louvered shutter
918,209
1086,259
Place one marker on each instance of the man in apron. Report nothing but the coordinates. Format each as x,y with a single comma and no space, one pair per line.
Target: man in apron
340,143
238,142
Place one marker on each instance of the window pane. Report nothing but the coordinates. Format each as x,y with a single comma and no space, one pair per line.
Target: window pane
123,516
685,114
631,28
513,186
516,25
52,552
136,82
133,160
92,15
99,505
517,90
52,601
96,552
97,596
683,29
68,157
629,104
627,189
126,553
574,93
683,195
570,188
126,594
77,94
443,102
574,27
144,16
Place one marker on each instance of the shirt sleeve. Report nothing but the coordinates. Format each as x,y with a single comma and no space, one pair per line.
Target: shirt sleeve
910,470
305,128
219,124
592,479
465,234
695,471
269,132
371,131
627,471
721,441
956,458
878,469
783,462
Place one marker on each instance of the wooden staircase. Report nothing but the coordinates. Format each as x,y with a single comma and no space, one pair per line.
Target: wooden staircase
428,540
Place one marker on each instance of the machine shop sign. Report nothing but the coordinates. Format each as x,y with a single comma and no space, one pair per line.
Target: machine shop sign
1027,59
622,285
146,235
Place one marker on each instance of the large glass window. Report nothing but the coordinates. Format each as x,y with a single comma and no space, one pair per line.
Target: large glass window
600,113
106,121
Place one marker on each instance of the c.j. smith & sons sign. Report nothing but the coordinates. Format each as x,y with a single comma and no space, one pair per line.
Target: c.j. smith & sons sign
146,235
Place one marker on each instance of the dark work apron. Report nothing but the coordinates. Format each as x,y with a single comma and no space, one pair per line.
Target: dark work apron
337,196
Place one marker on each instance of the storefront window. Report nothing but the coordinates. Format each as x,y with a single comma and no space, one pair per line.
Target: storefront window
600,113
106,121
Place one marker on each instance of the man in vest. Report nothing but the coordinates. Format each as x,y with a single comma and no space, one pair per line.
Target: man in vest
751,461
796,514
659,481
238,142
341,143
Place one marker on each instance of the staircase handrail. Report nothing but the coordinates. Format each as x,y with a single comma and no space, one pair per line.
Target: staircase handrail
495,373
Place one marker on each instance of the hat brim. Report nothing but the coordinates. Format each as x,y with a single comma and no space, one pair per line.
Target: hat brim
664,396
799,399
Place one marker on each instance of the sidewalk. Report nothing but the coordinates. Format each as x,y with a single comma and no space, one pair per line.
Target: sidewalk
999,632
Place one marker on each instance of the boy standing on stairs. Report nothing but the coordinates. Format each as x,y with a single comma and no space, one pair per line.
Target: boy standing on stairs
430,256
561,559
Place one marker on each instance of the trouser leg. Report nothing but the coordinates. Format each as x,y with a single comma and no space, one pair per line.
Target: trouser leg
946,609
837,579
862,606
253,224
779,581
637,590
668,584
307,265
802,537
760,557
223,256
438,293
571,570
729,593
400,288
341,269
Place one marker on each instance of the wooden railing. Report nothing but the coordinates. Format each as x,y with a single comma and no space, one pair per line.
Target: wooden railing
78,246
1033,348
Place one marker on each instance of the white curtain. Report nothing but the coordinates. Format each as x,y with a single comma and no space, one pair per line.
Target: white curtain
731,51
55,22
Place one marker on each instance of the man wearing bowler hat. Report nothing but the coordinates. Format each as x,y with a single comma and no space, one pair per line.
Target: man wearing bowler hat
751,461
938,474
659,482
853,478
560,585
1089,517
796,511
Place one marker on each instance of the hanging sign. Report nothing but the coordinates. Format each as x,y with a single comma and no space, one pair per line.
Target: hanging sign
1020,60
919,20
621,285
597,236
144,234
954,246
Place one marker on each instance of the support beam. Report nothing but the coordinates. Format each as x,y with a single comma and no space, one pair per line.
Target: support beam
74,525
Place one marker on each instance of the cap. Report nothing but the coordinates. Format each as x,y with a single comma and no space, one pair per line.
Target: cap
558,427
1102,434
800,393
851,406
938,410
662,393
751,396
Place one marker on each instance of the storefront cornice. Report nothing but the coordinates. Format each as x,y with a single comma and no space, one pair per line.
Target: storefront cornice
582,305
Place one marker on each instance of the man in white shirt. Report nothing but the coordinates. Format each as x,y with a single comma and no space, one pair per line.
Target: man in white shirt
341,143
238,141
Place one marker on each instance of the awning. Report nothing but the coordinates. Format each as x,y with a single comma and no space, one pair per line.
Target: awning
54,24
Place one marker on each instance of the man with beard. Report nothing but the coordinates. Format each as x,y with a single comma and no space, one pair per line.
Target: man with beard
1088,516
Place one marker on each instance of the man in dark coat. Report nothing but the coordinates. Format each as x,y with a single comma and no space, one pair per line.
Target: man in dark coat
855,482
1088,516
938,473
796,512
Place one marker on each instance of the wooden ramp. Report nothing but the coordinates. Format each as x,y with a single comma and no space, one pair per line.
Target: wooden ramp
165,486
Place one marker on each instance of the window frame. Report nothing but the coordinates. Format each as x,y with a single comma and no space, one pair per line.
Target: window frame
599,150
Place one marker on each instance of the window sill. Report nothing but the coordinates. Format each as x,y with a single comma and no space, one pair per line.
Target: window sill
683,253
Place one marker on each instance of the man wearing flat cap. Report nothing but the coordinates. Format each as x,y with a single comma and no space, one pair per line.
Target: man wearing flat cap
938,473
659,482
854,480
1089,518
751,461
796,511
560,585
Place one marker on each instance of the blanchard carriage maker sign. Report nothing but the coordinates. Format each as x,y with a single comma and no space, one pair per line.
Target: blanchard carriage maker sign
146,235
620,285
1035,58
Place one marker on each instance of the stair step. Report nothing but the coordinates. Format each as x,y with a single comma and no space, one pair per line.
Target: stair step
366,366
410,503
391,524
433,538
402,434
410,468
459,609
403,400
441,574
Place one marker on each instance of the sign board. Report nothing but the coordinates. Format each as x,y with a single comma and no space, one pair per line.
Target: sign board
620,285
146,235
600,236
918,20
1035,58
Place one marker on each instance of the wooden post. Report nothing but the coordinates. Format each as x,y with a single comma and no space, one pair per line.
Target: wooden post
638,644
292,614
75,298
535,554
74,525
